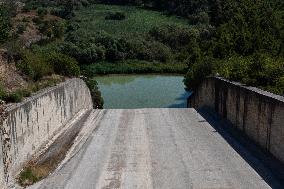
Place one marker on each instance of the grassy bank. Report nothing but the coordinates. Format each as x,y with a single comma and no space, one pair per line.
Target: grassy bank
137,20
111,39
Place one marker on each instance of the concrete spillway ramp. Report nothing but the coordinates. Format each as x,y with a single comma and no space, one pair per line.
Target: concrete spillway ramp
153,148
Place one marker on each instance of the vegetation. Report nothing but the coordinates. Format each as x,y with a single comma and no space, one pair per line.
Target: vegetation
27,177
129,45
115,16
229,36
131,67
19,94
5,23
241,41
98,101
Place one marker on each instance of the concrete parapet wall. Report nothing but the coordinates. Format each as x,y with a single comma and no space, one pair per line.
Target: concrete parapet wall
30,125
257,113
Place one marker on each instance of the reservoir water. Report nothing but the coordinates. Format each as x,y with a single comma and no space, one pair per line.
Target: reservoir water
142,91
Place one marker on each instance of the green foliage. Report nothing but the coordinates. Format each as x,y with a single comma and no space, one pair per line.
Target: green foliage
63,64
148,50
5,23
198,71
50,28
21,28
92,41
98,101
41,11
34,65
2,92
28,177
132,66
41,62
239,40
246,44
15,96
19,94
139,21
115,16
259,70
174,36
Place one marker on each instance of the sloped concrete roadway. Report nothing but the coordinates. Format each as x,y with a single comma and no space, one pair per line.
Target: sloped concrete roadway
152,148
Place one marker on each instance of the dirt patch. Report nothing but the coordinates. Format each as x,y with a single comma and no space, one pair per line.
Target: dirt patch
10,77
30,34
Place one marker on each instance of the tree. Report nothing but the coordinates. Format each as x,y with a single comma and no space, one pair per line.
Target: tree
5,24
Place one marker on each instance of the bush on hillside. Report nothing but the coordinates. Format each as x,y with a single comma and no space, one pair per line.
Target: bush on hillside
148,50
2,92
41,11
5,23
21,28
259,70
198,71
52,29
63,64
174,36
34,65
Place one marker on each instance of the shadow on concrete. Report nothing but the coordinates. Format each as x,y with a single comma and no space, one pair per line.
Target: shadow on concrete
268,167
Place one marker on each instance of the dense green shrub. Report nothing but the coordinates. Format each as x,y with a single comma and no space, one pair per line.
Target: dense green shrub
5,23
98,101
115,16
37,20
21,28
34,65
88,54
63,64
50,28
198,71
41,11
15,96
148,50
174,36
199,18
132,66
258,70
2,92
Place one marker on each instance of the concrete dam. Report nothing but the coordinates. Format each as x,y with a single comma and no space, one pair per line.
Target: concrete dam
148,148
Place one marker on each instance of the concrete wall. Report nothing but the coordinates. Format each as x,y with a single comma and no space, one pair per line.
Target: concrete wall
257,113
32,124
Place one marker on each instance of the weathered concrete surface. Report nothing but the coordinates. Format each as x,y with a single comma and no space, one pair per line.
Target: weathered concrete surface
32,125
257,113
152,148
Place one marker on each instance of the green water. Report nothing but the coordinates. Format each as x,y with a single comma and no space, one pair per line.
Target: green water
142,91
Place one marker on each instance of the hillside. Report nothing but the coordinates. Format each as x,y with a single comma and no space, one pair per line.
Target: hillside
241,41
